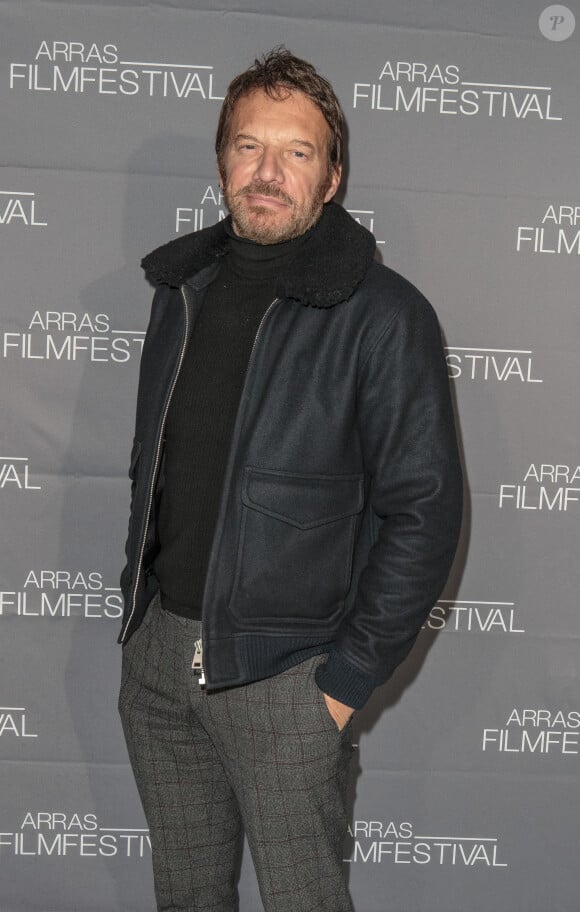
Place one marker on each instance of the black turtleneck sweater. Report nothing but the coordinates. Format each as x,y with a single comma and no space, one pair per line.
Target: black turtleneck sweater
203,410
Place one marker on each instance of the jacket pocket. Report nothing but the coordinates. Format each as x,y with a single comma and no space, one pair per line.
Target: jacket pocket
295,547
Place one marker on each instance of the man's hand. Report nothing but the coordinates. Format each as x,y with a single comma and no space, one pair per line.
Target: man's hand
340,712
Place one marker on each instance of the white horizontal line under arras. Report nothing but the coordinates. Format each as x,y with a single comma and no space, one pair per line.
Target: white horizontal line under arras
500,85
472,602
14,193
458,838
175,66
505,351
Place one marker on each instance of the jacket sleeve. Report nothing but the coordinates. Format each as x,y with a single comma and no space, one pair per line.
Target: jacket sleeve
142,404
409,448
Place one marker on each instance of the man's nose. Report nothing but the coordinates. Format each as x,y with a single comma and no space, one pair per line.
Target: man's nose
269,166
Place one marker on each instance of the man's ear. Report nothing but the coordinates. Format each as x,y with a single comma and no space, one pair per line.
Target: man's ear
334,183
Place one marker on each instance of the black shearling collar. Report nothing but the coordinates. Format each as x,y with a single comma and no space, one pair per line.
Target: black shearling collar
326,271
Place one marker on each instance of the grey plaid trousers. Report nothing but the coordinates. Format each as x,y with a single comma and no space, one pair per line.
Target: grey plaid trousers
266,759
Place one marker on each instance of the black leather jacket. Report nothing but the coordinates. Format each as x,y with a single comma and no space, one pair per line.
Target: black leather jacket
341,502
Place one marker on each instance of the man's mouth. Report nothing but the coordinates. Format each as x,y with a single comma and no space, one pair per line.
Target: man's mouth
267,197
270,202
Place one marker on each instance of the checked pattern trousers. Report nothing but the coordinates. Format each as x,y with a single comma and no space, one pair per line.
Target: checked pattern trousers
265,759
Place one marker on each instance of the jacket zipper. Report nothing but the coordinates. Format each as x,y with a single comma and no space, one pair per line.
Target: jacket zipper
225,494
156,464
197,663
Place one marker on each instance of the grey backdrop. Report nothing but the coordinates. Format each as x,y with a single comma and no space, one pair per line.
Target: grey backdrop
464,137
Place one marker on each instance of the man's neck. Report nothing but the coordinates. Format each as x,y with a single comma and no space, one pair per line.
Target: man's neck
249,259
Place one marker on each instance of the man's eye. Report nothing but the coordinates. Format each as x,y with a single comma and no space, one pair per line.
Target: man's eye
298,154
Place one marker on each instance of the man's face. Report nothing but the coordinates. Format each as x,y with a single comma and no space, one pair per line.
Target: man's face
274,171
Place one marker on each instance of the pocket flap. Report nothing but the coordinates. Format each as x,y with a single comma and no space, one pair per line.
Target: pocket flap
304,501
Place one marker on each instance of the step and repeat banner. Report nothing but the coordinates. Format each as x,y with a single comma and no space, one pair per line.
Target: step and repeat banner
463,161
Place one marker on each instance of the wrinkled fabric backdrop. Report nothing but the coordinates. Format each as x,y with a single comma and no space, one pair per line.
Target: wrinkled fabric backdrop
464,134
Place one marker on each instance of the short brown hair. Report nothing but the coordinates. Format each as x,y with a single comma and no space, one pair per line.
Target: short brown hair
272,73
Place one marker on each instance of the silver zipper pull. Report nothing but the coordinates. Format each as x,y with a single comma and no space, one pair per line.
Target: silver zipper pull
197,663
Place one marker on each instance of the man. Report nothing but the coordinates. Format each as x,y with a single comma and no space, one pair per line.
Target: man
296,503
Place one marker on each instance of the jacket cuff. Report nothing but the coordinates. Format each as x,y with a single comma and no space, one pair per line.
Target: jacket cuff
343,681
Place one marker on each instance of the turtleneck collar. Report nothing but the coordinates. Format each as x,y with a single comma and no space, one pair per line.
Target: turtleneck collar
250,260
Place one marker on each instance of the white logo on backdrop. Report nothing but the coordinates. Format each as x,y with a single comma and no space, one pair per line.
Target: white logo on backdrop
62,594
417,87
15,474
210,209
544,487
76,68
558,232
366,218
19,208
376,842
54,335
535,731
557,22
57,834
493,365
14,723
470,616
